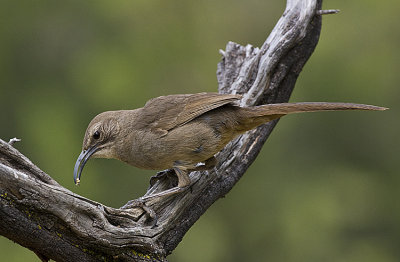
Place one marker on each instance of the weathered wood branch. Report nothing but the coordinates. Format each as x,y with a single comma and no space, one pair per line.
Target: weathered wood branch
40,214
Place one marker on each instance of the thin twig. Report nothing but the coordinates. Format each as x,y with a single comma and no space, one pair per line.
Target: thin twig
327,12
13,140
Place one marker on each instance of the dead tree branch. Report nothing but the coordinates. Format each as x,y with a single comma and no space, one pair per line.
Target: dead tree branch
40,214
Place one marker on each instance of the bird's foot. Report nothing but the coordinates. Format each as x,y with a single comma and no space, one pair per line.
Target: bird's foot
141,203
165,193
168,174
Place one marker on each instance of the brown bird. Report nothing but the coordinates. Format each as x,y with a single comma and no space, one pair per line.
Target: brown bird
180,131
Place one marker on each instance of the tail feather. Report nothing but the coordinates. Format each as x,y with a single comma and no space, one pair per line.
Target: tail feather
289,108
252,117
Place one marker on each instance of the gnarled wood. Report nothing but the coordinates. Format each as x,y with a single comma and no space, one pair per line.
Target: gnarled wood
40,214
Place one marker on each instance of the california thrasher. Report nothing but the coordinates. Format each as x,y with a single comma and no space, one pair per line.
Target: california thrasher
180,131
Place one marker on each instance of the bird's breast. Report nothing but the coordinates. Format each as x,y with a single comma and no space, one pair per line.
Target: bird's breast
191,143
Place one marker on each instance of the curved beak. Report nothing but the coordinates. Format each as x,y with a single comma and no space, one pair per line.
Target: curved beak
80,163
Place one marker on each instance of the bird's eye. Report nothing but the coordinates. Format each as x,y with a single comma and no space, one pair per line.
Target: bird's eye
96,135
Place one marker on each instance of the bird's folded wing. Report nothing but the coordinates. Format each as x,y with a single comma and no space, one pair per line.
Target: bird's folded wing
164,113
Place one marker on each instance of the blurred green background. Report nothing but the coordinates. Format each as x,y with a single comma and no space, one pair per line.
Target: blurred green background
324,187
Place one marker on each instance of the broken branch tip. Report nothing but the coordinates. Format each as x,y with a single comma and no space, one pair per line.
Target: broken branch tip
327,12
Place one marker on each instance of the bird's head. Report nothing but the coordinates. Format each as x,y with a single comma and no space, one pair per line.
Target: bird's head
99,141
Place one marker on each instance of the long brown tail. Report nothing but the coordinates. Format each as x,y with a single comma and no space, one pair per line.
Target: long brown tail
289,108
255,116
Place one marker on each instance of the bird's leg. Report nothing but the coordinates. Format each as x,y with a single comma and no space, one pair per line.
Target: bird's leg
164,193
165,174
181,172
183,183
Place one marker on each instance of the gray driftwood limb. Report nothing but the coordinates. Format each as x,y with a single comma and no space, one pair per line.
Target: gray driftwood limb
40,214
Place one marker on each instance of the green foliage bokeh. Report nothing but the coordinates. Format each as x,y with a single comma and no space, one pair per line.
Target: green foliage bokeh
325,185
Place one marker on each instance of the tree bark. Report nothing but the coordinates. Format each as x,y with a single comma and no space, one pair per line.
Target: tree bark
55,223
